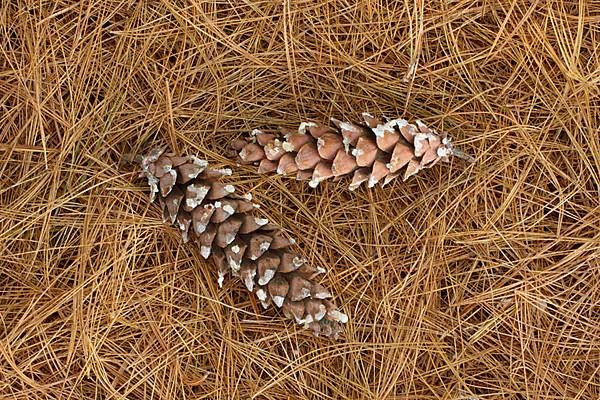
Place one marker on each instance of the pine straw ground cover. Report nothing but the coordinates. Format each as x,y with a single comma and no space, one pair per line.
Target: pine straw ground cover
473,281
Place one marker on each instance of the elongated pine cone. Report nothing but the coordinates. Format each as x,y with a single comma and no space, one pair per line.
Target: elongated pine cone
226,229
374,152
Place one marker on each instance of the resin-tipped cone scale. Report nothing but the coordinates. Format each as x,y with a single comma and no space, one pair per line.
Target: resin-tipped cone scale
227,230
374,152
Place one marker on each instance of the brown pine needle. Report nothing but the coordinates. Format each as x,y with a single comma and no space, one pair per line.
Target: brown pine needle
476,281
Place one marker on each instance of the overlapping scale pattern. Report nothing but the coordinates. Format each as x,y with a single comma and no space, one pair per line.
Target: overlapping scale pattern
226,229
375,151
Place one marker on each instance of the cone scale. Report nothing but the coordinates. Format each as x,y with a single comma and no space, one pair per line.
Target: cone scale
228,231
374,152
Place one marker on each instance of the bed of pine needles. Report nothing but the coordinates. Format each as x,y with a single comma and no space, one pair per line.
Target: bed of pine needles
470,281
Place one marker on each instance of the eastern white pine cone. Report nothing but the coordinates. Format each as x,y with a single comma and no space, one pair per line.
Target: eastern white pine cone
374,152
227,230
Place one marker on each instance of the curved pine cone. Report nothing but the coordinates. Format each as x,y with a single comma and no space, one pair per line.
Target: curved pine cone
227,230
375,152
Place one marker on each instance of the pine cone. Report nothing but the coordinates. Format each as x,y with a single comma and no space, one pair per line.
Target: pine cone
226,229
374,152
